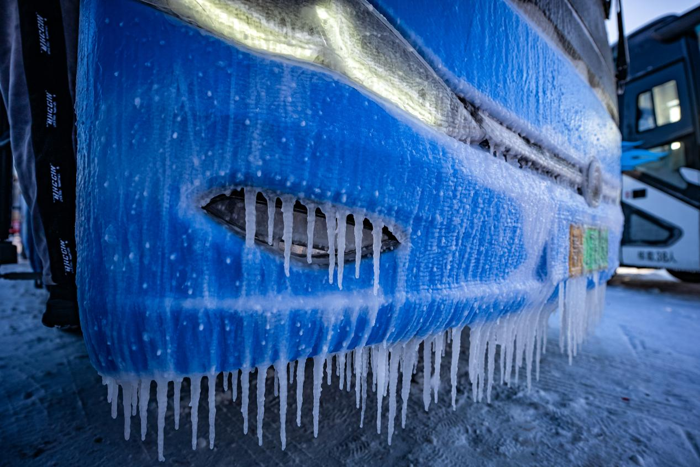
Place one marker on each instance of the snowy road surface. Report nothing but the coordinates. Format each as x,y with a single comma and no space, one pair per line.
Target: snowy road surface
630,398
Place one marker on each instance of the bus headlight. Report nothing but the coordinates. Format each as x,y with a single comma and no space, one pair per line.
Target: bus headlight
348,37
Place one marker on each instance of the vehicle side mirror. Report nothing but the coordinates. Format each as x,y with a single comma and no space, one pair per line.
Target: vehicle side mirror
690,175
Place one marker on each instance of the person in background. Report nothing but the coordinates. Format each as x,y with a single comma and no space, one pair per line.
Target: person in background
28,248
38,56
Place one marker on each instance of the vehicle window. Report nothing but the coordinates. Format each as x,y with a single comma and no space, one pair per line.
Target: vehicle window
667,107
666,168
645,112
646,231
658,107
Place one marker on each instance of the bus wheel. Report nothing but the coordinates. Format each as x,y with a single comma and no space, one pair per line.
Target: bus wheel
685,276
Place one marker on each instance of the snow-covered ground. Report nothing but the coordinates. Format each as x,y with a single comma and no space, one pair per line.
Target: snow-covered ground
630,398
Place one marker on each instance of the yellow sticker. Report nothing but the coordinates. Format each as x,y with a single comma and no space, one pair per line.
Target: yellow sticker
575,250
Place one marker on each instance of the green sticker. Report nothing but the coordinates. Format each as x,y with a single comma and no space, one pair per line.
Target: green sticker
591,249
603,249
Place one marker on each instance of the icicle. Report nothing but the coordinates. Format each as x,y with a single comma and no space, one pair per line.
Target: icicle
576,306
177,387
394,358
211,379
377,227
310,225
474,357
281,370
330,229
426,372
348,370
271,201
364,368
162,399
301,367
409,357
523,341
329,369
359,228
517,346
491,362
375,368
481,361
318,378
456,348
115,397
562,317
126,405
381,380
134,398
529,350
245,395
519,342
225,376
341,219
195,388
250,212
358,374
275,385
385,387
144,396
435,381
288,218
501,339
262,375
110,388
340,369
510,350
569,309
234,386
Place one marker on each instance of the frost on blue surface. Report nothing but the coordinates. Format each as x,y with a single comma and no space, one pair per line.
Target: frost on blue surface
170,118
493,56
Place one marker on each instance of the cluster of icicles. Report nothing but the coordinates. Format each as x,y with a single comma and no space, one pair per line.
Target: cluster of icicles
336,226
522,338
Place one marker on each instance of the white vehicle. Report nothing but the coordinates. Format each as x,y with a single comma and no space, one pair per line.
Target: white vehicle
659,110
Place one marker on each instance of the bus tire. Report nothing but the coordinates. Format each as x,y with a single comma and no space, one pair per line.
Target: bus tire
685,276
